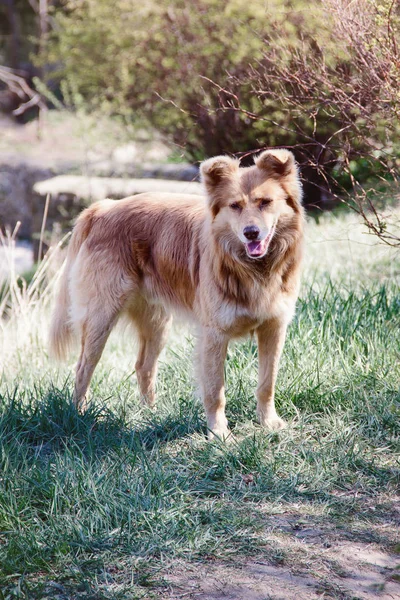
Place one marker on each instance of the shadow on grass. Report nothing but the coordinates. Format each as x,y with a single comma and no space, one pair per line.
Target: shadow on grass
49,421
150,502
98,570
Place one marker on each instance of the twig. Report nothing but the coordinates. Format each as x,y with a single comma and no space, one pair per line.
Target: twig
46,209
18,86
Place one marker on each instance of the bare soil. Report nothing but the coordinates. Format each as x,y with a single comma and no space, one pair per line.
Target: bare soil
63,137
318,560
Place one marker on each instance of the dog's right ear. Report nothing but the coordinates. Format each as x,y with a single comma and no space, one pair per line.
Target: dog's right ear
214,173
217,169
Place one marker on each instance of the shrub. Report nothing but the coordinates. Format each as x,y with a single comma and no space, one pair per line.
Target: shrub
178,65
319,77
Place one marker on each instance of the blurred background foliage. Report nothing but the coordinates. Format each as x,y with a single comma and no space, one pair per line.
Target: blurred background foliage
180,65
320,77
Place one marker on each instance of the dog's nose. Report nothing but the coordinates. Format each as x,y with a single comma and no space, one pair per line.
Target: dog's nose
251,232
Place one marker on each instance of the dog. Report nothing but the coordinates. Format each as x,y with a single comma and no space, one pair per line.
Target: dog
230,260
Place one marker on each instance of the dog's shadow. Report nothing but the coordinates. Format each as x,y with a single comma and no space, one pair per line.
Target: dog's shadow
50,422
163,427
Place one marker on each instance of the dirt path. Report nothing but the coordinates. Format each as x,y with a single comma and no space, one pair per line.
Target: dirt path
318,561
361,572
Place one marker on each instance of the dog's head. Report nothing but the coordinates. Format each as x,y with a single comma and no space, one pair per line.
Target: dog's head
248,204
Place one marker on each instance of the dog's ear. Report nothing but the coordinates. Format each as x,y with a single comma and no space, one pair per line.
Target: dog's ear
215,170
276,163
280,164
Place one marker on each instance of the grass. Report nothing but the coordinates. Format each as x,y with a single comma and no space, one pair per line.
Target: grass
101,505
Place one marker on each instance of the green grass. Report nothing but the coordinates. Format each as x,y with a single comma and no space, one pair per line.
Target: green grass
96,506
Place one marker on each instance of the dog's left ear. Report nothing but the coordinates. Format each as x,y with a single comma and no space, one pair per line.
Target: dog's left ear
280,164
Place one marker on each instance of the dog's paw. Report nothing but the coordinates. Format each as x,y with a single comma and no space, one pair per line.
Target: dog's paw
148,402
218,429
272,422
217,426
275,424
82,404
223,434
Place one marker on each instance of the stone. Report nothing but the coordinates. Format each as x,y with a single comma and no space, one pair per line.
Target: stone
69,194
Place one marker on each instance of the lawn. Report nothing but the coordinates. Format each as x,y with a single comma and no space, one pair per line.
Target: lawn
127,503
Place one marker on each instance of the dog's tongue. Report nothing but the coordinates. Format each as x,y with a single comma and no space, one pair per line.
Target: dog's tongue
256,248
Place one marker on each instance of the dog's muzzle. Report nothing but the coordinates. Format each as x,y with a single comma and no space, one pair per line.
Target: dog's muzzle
256,247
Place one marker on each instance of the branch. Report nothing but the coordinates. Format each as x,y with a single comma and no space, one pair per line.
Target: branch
18,86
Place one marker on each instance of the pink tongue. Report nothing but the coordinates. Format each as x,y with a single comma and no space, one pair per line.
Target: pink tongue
255,248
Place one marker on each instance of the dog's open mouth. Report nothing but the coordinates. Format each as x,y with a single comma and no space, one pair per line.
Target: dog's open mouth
258,248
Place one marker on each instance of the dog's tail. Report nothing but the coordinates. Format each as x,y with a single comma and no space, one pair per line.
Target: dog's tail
62,333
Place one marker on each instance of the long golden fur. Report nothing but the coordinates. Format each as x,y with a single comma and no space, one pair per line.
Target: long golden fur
230,260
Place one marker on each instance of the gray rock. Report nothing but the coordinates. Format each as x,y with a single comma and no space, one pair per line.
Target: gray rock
16,182
91,189
69,194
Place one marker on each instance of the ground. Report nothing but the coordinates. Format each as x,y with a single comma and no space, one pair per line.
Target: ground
327,562
77,138
127,503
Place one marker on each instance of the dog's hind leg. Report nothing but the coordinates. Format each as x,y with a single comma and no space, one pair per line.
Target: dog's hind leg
152,324
95,332
98,298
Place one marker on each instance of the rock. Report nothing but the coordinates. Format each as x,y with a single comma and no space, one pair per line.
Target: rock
90,148
145,170
16,182
91,189
69,194
17,199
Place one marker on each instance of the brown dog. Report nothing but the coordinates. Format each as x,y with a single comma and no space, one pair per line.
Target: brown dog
231,261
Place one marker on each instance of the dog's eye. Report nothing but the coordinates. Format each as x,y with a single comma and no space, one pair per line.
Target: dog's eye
265,202
235,206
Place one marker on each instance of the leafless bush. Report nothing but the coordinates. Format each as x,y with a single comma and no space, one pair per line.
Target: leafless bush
339,103
321,78
19,87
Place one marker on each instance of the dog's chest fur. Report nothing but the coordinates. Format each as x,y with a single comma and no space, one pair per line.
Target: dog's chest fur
237,319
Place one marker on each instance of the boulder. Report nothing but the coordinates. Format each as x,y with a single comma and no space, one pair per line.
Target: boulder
69,194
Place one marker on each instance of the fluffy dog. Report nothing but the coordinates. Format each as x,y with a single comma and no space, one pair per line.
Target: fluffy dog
230,260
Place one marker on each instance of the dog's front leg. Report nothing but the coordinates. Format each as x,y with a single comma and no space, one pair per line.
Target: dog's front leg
212,353
271,337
